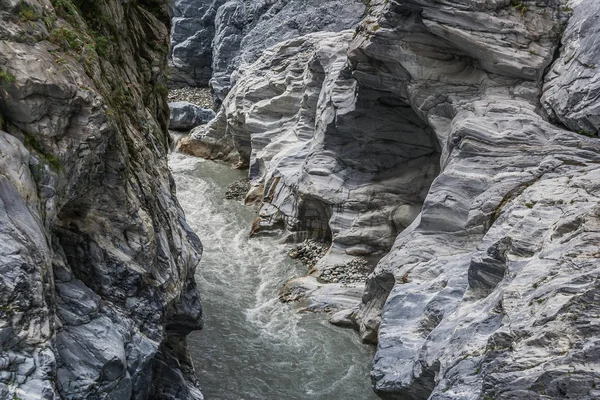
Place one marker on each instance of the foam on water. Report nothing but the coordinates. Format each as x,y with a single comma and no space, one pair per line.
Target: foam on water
253,346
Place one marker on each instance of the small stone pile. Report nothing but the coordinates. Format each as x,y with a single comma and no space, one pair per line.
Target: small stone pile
353,271
238,189
201,97
309,252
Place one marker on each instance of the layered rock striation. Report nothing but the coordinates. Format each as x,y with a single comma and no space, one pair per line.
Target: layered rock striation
97,263
326,164
457,143
214,40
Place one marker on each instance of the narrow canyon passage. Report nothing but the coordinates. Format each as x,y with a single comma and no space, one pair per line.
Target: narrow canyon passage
253,346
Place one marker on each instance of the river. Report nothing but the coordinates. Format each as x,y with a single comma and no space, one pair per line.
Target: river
253,346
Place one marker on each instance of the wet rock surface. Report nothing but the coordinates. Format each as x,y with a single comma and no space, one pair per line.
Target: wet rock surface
96,260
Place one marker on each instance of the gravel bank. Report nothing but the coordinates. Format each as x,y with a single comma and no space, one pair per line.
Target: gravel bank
201,97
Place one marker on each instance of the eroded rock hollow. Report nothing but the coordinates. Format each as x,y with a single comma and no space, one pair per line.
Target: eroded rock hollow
455,146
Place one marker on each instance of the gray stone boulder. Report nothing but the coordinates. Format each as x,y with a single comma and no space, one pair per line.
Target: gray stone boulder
185,116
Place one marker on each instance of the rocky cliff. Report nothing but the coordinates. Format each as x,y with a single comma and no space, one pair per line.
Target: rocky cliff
454,144
96,259
212,39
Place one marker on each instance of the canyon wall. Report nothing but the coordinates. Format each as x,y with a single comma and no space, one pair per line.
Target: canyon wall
97,262
213,40
454,144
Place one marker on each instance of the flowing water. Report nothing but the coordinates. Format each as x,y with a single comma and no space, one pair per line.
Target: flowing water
253,346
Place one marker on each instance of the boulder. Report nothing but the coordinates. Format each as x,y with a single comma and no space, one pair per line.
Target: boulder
185,116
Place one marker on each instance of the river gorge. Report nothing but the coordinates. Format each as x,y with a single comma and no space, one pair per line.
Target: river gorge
423,173
253,344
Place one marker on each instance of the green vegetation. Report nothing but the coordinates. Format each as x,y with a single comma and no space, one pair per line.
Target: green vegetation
586,133
67,11
50,22
102,45
6,78
161,89
68,39
32,143
519,6
121,98
27,12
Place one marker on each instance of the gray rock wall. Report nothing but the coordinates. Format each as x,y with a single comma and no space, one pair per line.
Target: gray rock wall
192,34
96,259
213,38
488,296
489,287
327,165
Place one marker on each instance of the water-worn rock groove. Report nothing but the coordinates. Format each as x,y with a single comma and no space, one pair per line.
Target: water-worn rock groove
487,289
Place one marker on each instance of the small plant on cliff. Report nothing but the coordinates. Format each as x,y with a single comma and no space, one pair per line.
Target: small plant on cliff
67,39
522,8
27,12
6,78
32,143
102,46
66,10
161,89
586,133
121,98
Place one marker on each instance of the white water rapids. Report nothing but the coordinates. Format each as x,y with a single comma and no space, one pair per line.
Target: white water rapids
253,346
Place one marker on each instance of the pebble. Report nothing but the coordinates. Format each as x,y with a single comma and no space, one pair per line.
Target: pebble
238,189
356,270
310,252
201,97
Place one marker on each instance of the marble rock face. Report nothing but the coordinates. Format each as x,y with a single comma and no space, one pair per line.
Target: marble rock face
454,144
97,290
213,40
192,33
185,116
325,162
